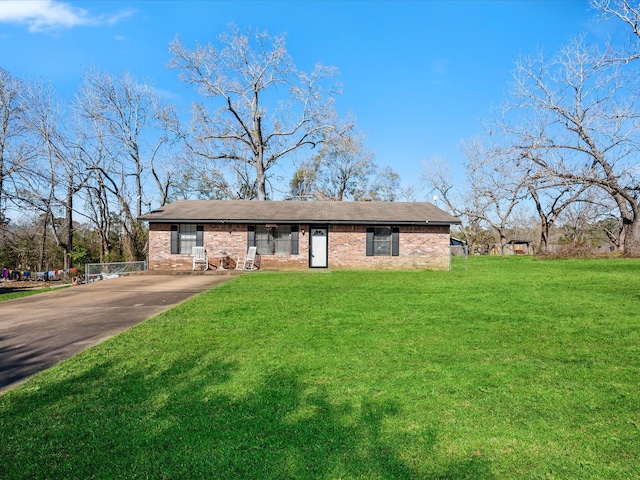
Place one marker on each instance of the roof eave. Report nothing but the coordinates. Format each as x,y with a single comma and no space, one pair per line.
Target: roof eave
303,221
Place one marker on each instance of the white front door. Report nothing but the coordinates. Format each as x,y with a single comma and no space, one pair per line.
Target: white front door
318,250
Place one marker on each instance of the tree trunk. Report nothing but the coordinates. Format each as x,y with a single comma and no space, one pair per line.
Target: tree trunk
43,244
69,223
629,213
543,245
503,243
261,180
631,231
545,225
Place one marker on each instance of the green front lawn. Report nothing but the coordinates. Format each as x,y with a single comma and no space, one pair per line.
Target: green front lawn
512,368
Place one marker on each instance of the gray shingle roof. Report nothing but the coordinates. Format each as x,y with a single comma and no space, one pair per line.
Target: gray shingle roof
244,211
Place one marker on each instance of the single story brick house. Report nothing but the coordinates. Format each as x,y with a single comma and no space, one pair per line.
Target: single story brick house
300,235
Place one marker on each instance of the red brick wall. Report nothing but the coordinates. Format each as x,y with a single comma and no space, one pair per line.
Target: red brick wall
420,247
218,240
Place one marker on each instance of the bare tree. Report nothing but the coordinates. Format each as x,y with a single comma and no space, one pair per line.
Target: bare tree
344,169
628,15
121,141
384,186
437,181
551,199
128,108
304,183
99,207
259,108
194,178
47,178
58,178
581,125
17,151
585,225
495,191
498,188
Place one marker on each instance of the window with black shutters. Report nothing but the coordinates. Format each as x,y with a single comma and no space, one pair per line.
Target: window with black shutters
383,241
186,236
273,239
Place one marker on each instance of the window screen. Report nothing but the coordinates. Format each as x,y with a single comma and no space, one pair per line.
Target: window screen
381,241
273,240
187,238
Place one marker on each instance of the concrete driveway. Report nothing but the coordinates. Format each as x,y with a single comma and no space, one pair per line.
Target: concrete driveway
39,331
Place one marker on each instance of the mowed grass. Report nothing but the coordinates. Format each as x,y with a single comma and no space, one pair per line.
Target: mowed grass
24,293
512,368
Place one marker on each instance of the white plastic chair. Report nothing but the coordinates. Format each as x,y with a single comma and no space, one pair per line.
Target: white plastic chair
200,258
249,262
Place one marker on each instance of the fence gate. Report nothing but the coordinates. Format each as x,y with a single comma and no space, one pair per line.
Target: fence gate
103,271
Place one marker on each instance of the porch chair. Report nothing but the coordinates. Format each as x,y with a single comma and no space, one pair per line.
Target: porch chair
249,262
200,258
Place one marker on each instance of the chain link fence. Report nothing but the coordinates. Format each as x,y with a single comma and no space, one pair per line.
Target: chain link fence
459,256
102,271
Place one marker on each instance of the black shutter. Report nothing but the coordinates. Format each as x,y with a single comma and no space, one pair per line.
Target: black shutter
294,240
251,236
200,236
175,237
395,242
369,242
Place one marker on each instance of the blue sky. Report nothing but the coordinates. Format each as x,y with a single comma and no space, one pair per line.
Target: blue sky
419,76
